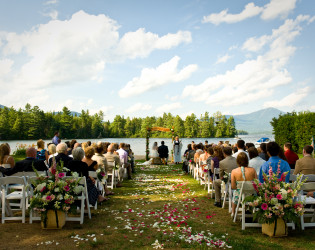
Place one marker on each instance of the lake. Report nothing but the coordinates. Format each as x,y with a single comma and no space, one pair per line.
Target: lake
138,144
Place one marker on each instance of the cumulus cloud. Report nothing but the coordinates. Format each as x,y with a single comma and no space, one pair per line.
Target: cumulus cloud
51,2
151,78
168,107
272,10
73,51
290,100
250,10
52,14
138,107
253,79
223,59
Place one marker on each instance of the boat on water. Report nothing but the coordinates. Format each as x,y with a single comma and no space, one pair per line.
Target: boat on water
261,140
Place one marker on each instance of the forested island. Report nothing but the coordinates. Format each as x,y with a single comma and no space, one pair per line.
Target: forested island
34,123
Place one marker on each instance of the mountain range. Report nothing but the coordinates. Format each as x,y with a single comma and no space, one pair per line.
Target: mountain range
257,122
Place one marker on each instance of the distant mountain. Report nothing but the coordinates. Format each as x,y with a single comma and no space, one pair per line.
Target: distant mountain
73,113
1,106
257,122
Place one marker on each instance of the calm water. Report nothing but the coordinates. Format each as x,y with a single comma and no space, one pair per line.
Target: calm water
138,144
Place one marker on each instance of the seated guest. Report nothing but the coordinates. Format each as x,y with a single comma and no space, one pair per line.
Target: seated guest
131,158
6,160
263,154
112,157
26,164
199,150
51,150
89,152
255,161
242,173
249,145
306,165
61,156
217,157
123,155
77,165
72,143
311,194
42,153
274,161
226,166
191,153
291,156
240,148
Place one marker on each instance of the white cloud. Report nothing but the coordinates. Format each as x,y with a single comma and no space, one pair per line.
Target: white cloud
250,10
73,51
272,10
52,14
171,98
277,8
253,79
168,107
138,107
184,115
51,2
290,100
151,78
223,59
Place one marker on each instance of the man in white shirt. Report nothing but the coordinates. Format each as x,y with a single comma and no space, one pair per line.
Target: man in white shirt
240,148
123,155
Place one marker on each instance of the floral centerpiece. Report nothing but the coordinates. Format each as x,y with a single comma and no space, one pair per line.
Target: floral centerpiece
55,193
276,199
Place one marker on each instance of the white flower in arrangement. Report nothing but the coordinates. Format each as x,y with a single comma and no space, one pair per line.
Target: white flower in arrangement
57,190
75,175
40,186
98,170
78,189
274,201
284,194
59,197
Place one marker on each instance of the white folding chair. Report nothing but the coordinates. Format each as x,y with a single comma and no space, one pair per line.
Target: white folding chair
15,195
84,198
112,176
246,188
309,211
228,193
211,183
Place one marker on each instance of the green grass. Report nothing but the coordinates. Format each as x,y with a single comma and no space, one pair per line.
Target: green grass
128,220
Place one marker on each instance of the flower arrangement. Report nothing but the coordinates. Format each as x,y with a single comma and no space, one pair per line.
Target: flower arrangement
276,199
226,177
55,193
101,175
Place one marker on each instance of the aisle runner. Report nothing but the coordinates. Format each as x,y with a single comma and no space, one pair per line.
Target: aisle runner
171,220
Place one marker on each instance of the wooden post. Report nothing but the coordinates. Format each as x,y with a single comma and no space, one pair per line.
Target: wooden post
147,151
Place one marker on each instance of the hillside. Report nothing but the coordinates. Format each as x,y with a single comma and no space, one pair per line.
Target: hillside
257,122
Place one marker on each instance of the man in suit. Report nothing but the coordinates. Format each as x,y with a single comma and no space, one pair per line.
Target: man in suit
226,166
163,152
306,165
26,165
62,155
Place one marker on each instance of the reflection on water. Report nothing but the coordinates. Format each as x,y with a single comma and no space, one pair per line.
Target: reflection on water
138,144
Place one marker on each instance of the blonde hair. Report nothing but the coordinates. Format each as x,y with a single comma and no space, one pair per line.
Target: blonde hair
84,145
89,152
40,144
52,149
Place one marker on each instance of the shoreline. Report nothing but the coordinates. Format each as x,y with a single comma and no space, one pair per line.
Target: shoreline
139,157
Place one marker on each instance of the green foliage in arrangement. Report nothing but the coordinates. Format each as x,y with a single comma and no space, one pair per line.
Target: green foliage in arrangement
296,128
33,123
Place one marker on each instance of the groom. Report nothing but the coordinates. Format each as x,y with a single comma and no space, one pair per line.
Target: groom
163,152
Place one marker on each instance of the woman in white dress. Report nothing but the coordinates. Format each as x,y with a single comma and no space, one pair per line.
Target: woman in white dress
177,148
154,155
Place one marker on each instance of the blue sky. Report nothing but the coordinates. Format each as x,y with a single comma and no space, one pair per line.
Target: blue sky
139,58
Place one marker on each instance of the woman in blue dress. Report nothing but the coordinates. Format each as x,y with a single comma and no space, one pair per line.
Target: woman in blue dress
177,148
42,153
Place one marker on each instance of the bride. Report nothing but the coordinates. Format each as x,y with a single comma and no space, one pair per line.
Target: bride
153,155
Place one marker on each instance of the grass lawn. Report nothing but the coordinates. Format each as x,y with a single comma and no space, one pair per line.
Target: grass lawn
159,206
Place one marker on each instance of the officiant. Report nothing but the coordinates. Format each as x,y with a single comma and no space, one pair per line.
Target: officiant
177,148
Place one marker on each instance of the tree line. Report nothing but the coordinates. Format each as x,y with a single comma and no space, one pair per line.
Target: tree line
296,128
34,123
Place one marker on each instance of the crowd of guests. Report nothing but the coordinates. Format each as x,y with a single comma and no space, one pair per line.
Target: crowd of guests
245,162
76,157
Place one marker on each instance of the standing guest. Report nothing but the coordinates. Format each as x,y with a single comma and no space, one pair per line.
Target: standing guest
255,161
123,155
274,162
55,139
42,153
163,153
177,148
6,160
89,152
240,148
263,155
242,173
61,156
291,156
26,165
226,166
306,165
